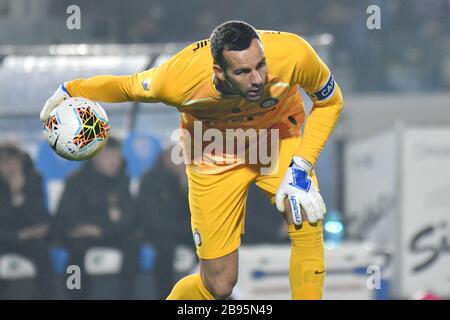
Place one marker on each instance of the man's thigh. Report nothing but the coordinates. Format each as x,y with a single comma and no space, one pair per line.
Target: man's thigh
217,204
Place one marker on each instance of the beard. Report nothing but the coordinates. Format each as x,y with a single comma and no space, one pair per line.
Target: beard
253,95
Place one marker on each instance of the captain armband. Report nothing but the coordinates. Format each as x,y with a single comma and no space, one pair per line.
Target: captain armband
325,92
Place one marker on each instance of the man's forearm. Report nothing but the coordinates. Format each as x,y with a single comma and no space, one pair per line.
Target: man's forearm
319,126
103,88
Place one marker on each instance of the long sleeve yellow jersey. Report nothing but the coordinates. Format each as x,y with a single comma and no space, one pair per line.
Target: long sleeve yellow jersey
185,81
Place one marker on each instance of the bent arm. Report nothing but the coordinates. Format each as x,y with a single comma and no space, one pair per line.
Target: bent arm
318,82
319,126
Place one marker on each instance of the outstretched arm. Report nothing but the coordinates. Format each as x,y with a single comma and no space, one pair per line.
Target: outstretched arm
114,88
105,88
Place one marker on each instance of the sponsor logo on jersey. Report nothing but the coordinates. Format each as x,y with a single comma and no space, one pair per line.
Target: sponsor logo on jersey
200,44
268,103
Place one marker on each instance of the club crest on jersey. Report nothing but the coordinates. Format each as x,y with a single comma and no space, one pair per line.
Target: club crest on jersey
197,238
268,103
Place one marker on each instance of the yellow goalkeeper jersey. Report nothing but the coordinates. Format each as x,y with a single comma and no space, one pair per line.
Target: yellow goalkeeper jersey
185,81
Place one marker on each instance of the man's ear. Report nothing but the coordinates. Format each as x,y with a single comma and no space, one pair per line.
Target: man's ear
219,72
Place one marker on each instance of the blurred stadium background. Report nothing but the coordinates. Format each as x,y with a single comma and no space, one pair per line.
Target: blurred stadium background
385,173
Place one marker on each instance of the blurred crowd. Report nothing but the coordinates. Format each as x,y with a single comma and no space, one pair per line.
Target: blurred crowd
97,210
410,52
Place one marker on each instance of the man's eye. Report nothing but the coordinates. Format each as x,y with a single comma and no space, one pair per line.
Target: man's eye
239,72
262,65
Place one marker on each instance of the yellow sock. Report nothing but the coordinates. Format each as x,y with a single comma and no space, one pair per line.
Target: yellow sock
190,288
307,266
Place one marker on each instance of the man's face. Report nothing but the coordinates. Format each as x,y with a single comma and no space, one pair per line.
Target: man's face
10,166
108,162
246,71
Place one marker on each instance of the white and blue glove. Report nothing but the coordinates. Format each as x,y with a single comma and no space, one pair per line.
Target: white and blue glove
298,187
59,96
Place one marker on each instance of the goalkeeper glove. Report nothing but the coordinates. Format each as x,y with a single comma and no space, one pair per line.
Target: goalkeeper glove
59,96
298,187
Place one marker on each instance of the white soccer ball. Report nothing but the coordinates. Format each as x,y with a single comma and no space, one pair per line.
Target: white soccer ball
77,129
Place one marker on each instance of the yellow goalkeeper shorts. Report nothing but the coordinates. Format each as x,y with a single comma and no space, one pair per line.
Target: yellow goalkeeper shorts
217,201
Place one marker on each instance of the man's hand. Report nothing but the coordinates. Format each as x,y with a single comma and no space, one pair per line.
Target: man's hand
59,96
299,189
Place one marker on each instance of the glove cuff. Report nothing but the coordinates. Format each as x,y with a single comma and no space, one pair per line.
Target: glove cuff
64,89
302,163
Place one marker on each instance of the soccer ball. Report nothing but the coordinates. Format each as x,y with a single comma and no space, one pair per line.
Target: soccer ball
77,129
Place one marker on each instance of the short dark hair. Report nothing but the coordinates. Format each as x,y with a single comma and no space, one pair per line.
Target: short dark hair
231,35
10,149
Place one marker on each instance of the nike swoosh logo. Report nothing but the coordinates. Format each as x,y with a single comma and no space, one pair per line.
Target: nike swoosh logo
54,144
317,272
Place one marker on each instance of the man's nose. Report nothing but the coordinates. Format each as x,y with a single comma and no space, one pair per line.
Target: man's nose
256,79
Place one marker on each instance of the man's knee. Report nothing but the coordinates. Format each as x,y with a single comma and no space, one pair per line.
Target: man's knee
220,275
221,288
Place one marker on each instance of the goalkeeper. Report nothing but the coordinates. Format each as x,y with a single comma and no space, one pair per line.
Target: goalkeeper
240,79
